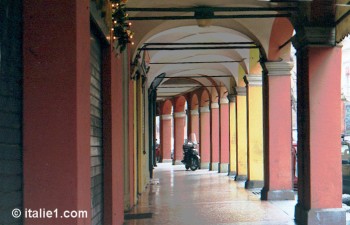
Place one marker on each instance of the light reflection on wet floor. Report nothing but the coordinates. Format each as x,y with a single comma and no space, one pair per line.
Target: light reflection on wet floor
180,197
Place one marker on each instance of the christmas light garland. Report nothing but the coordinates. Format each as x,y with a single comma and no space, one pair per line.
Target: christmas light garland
120,26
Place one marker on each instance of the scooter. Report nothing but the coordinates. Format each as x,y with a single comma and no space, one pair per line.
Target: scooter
191,156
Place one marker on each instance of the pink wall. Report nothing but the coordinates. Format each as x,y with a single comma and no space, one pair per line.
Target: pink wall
56,135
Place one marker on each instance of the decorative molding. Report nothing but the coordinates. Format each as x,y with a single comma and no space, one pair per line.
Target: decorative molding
214,105
231,97
224,100
314,36
254,80
166,117
204,109
241,91
179,114
194,112
279,68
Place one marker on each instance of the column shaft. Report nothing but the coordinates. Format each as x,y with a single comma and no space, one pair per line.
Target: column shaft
165,137
224,136
241,107
56,135
320,186
233,137
113,140
195,124
278,168
255,132
205,137
215,137
179,140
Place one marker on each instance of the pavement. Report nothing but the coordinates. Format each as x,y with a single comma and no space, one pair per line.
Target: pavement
179,197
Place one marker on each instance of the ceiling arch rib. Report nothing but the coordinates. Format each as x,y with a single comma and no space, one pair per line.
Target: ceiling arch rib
222,66
210,67
217,65
205,76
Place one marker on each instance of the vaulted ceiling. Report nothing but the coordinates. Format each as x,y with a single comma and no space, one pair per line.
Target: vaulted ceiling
169,38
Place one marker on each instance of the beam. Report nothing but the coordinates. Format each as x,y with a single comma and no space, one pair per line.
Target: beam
201,43
241,16
187,86
196,48
215,9
285,43
171,63
197,76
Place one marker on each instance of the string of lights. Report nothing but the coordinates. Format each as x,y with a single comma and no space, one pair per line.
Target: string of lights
120,25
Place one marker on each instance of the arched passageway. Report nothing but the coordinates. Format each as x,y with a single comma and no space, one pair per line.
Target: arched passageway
78,103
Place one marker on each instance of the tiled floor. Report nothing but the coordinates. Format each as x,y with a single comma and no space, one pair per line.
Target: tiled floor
180,197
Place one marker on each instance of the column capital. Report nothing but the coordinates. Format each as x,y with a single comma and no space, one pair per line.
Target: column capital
224,100
282,68
253,80
204,109
194,112
241,91
179,114
166,117
214,105
314,36
231,97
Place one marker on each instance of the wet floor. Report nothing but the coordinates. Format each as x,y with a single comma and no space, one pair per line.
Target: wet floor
179,197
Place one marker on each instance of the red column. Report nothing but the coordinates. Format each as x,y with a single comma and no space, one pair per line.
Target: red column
165,137
179,140
205,137
195,124
278,183
319,128
224,135
215,136
113,141
56,134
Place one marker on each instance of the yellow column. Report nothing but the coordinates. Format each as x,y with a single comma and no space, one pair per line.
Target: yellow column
255,132
141,156
233,136
241,132
135,141
139,135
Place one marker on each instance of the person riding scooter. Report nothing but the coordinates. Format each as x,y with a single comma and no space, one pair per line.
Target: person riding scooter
191,155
